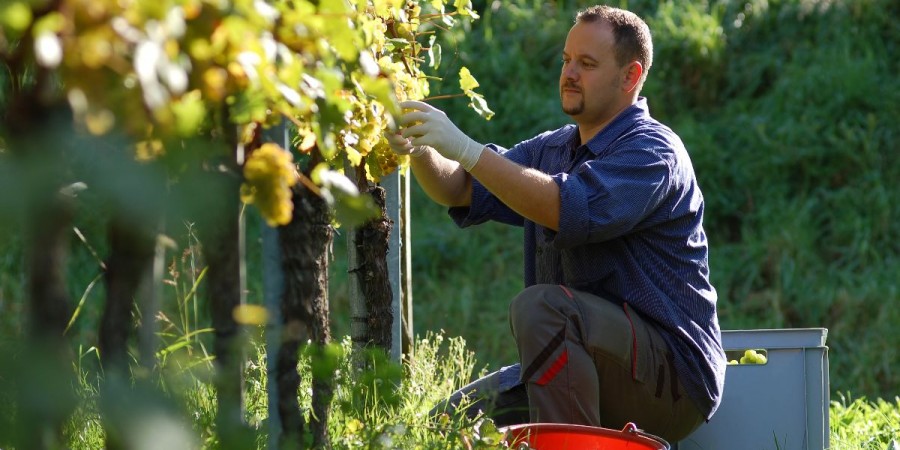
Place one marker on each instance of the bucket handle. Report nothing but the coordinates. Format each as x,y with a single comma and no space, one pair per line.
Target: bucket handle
631,428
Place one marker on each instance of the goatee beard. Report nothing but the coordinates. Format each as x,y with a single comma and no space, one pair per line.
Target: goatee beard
574,110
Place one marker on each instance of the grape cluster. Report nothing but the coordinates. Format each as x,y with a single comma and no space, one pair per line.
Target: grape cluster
750,356
268,176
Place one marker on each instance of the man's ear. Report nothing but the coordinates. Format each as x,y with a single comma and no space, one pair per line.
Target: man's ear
633,72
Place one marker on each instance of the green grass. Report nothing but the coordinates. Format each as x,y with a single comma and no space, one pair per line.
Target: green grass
381,408
386,409
860,423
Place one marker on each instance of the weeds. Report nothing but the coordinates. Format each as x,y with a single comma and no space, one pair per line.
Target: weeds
858,423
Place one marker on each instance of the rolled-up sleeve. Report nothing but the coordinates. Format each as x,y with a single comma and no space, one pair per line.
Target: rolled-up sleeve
484,205
608,197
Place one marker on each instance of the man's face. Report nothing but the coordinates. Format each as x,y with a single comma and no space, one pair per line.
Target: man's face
591,82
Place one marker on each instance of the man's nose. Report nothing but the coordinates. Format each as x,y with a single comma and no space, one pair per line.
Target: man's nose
570,72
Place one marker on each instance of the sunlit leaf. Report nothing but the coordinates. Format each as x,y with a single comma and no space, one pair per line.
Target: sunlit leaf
383,92
190,112
466,81
434,53
324,360
464,7
396,44
53,22
342,37
478,103
15,16
307,140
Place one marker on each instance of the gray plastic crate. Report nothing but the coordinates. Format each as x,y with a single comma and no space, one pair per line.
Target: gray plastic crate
785,400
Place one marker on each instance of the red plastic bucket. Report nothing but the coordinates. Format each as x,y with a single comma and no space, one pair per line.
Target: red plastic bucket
558,436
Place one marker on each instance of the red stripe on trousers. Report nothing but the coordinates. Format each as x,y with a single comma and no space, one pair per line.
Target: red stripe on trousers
554,369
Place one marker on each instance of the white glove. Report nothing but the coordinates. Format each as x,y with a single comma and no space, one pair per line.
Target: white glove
429,126
401,145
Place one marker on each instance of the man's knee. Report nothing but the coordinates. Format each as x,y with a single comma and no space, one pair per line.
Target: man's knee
534,306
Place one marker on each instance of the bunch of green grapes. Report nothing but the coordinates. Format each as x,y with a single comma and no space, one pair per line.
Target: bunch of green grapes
269,174
750,356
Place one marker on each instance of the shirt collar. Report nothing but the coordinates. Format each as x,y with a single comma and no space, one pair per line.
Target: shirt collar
568,135
612,131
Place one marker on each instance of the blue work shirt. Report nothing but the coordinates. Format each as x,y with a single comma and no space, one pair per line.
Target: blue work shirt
630,230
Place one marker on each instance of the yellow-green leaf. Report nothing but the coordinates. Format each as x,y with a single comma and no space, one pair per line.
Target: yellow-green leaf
466,81
190,112
464,7
53,22
479,104
16,16
434,53
383,92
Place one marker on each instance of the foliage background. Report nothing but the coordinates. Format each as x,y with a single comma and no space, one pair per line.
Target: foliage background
790,111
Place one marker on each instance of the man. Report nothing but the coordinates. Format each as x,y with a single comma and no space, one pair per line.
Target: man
618,320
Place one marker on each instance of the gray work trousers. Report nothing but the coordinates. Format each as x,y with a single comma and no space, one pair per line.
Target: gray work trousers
583,360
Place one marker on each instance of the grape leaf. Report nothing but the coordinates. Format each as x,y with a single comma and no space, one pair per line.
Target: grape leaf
464,7
479,104
466,81
434,53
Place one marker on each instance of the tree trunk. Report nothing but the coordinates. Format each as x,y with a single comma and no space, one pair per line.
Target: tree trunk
221,248
217,209
305,245
39,136
371,246
49,223
131,248
47,399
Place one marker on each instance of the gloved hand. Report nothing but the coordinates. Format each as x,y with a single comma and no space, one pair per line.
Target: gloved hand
429,126
401,145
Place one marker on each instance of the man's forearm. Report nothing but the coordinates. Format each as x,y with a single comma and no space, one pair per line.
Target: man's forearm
443,180
529,192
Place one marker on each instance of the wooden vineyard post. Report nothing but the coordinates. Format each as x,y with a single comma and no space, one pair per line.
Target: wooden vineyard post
151,299
406,270
393,204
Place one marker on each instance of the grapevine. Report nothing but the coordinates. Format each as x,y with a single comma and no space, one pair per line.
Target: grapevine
163,71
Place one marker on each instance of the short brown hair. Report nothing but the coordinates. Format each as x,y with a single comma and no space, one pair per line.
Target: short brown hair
631,33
